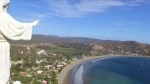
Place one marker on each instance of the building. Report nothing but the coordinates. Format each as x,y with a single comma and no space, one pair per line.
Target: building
39,52
39,71
17,82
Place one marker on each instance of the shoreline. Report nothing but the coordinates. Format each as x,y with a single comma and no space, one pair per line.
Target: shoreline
63,77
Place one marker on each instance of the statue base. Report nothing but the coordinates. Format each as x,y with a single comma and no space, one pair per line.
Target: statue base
4,79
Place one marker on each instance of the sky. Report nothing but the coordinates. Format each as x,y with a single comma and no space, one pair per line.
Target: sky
101,19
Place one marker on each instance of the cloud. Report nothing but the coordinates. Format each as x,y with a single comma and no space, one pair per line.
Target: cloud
137,2
121,29
132,22
79,8
33,5
125,23
38,15
98,5
65,9
29,17
62,8
25,19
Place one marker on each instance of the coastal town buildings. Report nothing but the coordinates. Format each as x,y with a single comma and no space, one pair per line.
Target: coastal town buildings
17,82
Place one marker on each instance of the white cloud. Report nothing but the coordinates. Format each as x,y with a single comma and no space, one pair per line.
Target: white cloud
25,19
62,8
122,29
125,23
29,17
98,5
136,2
38,15
139,0
65,9
132,22
79,8
33,5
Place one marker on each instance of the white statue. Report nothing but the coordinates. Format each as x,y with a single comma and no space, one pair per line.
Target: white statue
13,30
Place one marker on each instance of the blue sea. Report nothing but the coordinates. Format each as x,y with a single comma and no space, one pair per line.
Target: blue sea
112,70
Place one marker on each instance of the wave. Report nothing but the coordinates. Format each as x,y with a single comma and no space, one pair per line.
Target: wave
79,76
98,59
81,70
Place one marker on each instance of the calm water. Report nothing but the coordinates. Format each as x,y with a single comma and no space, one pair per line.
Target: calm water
118,70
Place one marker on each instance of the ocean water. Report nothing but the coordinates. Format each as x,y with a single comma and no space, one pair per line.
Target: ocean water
116,70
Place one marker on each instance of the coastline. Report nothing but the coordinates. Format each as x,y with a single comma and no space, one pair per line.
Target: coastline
63,77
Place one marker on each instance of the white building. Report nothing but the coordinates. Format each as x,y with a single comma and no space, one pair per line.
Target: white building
39,72
28,48
49,66
55,70
60,65
17,82
54,54
39,52
17,62
38,61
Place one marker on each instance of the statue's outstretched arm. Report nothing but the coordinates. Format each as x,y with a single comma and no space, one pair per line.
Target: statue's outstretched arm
20,25
17,30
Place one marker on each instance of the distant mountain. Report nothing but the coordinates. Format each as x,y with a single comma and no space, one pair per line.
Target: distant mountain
98,46
36,38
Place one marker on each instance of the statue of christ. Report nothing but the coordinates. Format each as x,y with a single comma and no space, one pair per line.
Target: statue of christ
13,30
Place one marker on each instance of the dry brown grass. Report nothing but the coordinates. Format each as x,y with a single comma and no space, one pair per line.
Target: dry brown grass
97,47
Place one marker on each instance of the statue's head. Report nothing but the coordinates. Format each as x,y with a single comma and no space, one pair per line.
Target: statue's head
4,4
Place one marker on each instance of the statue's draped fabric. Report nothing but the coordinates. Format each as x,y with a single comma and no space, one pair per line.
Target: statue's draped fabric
13,30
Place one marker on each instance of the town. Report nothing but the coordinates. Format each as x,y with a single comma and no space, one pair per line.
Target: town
43,62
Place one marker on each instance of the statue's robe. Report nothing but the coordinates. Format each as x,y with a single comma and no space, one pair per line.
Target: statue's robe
13,30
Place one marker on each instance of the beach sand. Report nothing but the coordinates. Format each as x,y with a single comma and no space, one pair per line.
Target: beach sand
64,75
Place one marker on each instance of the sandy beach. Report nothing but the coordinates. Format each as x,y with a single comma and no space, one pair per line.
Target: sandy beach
64,75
